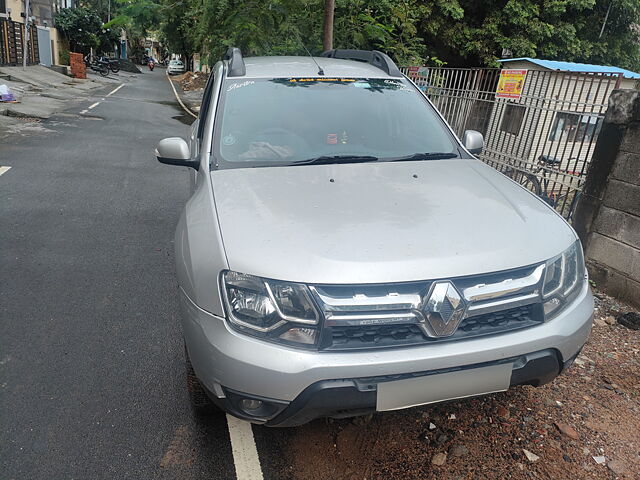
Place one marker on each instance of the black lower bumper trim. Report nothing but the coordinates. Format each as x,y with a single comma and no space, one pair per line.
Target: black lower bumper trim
351,397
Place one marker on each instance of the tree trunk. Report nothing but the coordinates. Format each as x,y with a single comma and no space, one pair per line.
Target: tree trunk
327,34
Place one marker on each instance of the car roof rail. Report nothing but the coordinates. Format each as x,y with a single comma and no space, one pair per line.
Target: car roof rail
373,57
236,62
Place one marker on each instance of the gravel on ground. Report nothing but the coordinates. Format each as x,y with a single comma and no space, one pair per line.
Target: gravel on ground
583,425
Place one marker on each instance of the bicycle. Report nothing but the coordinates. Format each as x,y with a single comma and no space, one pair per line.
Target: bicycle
538,182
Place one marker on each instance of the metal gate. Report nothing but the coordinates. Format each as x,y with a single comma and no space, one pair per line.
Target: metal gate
44,46
543,138
11,43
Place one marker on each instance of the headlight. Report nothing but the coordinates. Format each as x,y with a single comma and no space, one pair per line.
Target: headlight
278,311
563,280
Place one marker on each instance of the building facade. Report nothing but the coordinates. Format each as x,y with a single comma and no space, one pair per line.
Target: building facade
45,42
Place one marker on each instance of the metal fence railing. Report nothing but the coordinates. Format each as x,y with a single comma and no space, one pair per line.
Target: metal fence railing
543,137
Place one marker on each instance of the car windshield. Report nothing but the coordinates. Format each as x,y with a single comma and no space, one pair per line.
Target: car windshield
285,121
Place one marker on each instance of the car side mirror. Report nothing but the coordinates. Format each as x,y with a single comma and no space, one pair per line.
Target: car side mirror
175,151
473,141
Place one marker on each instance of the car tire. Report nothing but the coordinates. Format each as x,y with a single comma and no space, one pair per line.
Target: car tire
200,402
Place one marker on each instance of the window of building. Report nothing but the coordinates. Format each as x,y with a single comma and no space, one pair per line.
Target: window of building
573,127
512,118
3,6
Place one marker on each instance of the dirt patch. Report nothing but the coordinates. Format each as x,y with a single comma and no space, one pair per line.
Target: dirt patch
554,431
190,81
179,453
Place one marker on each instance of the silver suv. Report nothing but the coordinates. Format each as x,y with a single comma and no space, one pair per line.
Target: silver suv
343,252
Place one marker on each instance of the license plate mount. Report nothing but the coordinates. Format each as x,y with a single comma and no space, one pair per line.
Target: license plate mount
411,392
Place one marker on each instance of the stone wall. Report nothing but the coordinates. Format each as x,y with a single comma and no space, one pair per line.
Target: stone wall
608,213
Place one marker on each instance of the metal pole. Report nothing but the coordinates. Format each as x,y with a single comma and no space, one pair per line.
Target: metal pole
25,38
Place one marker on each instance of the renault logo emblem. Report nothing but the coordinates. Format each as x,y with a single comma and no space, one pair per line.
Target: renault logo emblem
443,310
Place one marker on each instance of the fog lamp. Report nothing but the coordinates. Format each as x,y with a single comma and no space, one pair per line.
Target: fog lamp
250,404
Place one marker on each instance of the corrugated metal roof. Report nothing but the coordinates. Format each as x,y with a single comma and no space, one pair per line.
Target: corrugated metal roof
575,67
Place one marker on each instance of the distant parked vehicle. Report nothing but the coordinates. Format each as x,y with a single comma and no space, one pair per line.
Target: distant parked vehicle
113,65
97,66
175,67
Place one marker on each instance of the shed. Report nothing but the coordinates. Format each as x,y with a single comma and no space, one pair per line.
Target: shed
559,113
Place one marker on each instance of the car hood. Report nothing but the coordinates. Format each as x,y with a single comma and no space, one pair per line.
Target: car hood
381,222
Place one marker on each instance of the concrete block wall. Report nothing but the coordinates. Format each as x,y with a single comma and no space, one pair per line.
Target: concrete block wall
608,214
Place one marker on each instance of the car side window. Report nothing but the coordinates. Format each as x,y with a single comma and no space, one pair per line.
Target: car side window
204,107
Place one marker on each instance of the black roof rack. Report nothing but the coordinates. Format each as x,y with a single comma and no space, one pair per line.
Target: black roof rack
236,62
374,57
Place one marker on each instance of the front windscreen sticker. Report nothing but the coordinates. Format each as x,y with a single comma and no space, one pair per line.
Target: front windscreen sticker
322,79
235,86
229,140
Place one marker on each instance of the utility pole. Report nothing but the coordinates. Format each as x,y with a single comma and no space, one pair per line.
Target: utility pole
327,34
25,38
606,17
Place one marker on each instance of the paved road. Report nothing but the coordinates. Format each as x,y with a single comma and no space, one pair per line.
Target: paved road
91,362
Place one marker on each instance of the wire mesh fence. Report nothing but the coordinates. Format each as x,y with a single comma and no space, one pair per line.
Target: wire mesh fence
543,136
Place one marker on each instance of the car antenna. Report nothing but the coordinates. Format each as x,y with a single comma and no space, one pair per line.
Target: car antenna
320,71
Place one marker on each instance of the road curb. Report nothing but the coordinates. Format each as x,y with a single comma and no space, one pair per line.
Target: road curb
175,92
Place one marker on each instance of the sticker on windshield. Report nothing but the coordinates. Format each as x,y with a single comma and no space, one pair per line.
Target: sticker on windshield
229,140
235,86
322,79
362,84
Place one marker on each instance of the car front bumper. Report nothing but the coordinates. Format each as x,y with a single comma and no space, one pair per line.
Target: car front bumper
299,385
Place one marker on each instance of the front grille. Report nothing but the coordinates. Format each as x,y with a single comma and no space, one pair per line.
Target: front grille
375,336
381,336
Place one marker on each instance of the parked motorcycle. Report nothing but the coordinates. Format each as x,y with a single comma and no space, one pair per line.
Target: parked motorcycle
97,66
113,65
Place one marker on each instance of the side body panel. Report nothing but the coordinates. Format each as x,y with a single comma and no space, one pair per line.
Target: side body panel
199,249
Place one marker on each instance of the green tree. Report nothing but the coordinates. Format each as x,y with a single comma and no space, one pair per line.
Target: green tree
81,26
139,18
554,29
455,32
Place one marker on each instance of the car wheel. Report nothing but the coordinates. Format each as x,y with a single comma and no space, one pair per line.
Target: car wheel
200,402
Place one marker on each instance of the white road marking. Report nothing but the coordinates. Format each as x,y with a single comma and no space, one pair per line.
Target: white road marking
94,105
243,446
83,112
180,101
4,170
114,91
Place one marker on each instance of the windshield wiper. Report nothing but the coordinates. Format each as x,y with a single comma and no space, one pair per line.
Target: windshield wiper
327,159
426,156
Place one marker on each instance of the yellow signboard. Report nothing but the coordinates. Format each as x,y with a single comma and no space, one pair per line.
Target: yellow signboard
511,83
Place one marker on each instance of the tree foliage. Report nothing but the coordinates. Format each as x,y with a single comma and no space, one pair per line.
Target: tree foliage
84,29
81,26
455,32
